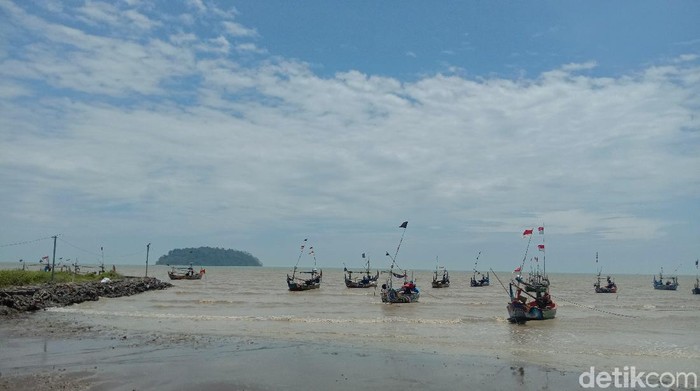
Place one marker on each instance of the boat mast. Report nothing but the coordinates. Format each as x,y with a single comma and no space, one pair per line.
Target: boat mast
544,252
475,263
522,264
301,252
403,225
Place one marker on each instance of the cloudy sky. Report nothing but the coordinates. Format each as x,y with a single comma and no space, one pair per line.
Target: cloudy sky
253,125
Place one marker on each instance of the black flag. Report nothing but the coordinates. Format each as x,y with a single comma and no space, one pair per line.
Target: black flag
404,224
363,255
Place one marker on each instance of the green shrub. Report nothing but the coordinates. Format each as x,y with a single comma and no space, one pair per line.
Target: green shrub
27,277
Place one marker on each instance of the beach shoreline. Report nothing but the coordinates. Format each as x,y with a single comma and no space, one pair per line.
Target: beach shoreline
63,356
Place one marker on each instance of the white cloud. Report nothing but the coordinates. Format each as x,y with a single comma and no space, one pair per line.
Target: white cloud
237,30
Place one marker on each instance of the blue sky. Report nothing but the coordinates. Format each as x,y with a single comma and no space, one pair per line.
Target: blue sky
253,125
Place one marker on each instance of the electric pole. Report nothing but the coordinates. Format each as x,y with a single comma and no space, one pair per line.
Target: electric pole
148,247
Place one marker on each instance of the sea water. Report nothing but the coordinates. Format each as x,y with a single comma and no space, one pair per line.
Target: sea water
638,326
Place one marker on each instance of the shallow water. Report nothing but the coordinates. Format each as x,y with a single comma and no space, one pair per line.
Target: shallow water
638,326
240,328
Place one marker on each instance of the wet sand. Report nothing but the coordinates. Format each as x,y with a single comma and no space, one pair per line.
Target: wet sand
37,353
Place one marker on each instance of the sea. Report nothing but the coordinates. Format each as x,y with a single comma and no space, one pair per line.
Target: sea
346,338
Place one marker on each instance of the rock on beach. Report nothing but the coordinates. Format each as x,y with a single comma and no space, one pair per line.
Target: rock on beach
14,300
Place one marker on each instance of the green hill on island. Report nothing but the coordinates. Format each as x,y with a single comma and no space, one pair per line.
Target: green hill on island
208,256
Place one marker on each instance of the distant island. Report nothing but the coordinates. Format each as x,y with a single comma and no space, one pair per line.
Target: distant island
208,256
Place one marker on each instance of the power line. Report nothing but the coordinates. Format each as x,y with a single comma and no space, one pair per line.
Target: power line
79,248
25,242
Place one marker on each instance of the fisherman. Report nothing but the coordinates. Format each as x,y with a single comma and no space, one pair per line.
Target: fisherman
409,287
544,301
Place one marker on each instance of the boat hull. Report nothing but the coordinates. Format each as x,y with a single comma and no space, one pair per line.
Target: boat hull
521,313
605,290
441,284
176,276
696,290
394,296
666,287
296,286
476,284
360,284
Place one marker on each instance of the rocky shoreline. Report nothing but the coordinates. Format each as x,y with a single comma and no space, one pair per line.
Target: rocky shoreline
15,300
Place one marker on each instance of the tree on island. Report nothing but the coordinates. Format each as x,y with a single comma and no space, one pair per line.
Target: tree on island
208,256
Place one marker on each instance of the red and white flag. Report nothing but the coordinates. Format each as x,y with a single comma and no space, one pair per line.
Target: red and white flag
517,269
540,230
527,232
540,247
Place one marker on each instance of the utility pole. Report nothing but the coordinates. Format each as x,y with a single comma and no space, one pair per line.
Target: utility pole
148,247
53,266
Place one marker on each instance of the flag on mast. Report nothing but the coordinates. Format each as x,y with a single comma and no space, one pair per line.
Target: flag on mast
540,230
404,224
527,232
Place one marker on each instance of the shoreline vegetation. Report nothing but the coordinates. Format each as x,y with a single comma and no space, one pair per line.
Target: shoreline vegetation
28,291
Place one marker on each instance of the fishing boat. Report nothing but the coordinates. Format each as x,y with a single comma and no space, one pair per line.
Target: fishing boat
610,286
529,297
696,289
312,281
188,273
441,277
296,283
479,279
392,292
669,284
365,278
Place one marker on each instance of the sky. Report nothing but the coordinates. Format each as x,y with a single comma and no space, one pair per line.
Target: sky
254,125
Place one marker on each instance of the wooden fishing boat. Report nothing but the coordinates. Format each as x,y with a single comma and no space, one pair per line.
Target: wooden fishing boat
441,277
188,273
365,278
304,284
406,293
313,281
670,283
529,297
525,306
479,279
610,286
